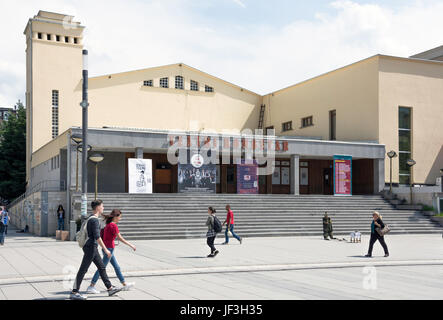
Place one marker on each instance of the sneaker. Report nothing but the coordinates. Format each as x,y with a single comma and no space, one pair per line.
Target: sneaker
241,239
128,286
215,253
225,243
211,255
386,255
92,290
77,296
114,290
368,256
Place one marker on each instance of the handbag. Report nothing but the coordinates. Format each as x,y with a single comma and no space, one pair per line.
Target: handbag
383,231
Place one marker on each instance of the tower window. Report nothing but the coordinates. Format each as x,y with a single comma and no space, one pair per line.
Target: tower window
48,37
148,83
164,83
194,85
179,82
57,38
209,89
67,39
39,35
55,101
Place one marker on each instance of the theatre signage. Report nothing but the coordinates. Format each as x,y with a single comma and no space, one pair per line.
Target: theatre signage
342,175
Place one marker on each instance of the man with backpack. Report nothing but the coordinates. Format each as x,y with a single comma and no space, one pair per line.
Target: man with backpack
214,226
88,237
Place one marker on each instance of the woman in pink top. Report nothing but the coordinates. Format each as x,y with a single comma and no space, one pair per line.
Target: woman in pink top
109,235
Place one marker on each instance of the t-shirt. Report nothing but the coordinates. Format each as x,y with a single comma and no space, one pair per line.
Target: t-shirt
4,217
109,235
230,217
93,228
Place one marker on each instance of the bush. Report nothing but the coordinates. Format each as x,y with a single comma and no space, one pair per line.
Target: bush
428,208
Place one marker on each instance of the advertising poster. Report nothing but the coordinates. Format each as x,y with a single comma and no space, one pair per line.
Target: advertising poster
342,175
247,178
140,175
197,177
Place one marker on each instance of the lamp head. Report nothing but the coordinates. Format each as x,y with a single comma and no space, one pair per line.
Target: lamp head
96,157
80,148
392,154
77,138
411,162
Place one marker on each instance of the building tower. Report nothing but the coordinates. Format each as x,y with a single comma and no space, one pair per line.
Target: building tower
54,44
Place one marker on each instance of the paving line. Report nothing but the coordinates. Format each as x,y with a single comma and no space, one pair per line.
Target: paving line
235,269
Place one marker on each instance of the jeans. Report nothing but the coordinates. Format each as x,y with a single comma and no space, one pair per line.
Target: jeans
61,224
114,264
2,237
6,229
231,228
374,238
210,242
91,255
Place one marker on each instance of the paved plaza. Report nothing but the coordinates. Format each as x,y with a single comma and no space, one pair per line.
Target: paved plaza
284,268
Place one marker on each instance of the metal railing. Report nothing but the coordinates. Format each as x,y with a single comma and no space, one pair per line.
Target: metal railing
45,185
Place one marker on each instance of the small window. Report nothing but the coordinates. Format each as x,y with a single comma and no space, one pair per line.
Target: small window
179,82
148,83
307,122
287,126
209,89
67,39
194,85
39,35
76,40
57,38
48,37
164,83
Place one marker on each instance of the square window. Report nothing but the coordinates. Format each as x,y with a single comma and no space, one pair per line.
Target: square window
306,122
164,83
287,126
194,85
209,89
179,82
148,83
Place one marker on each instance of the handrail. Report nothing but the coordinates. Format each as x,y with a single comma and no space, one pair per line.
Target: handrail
45,185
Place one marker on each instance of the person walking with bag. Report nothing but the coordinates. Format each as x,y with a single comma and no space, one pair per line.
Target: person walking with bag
214,226
230,225
376,226
110,233
5,218
90,250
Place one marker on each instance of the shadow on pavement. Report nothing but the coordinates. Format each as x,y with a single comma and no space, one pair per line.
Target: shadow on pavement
200,257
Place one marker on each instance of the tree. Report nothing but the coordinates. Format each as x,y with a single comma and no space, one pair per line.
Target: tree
13,154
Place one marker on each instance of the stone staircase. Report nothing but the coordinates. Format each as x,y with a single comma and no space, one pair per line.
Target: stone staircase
179,216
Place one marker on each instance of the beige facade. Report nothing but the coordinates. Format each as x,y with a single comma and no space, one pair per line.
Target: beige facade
365,96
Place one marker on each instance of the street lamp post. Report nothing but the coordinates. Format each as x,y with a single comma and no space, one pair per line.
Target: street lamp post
84,104
96,158
391,154
77,139
441,181
410,164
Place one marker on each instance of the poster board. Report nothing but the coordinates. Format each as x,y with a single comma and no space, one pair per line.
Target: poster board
140,175
247,178
342,175
197,177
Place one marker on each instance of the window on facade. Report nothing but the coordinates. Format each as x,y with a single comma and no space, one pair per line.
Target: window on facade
55,103
404,144
67,39
39,35
270,130
76,40
307,122
148,83
209,89
287,126
57,38
179,82
48,37
164,83
332,125
194,85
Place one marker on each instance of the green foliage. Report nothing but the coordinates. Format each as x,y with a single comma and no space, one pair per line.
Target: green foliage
428,208
13,155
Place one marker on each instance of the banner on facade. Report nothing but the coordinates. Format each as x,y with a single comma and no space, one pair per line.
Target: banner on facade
140,175
342,175
247,178
197,177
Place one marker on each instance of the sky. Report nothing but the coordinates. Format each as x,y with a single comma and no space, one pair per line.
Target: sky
260,45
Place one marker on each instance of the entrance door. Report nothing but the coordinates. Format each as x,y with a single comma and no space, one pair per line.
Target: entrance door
163,178
328,181
232,178
262,184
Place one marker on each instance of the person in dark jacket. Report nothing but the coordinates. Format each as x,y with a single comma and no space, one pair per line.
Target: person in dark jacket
61,217
211,234
377,223
327,227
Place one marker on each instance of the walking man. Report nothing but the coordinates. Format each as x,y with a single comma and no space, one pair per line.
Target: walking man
91,254
5,218
327,227
230,225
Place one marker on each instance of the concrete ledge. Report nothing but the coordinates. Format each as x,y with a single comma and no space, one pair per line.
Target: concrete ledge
439,220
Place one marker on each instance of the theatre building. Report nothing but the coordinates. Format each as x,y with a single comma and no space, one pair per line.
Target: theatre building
347,118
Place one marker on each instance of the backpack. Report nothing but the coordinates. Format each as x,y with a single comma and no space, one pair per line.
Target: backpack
217,225
82,235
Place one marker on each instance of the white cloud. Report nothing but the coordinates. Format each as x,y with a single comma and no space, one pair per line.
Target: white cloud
134,34
240,3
